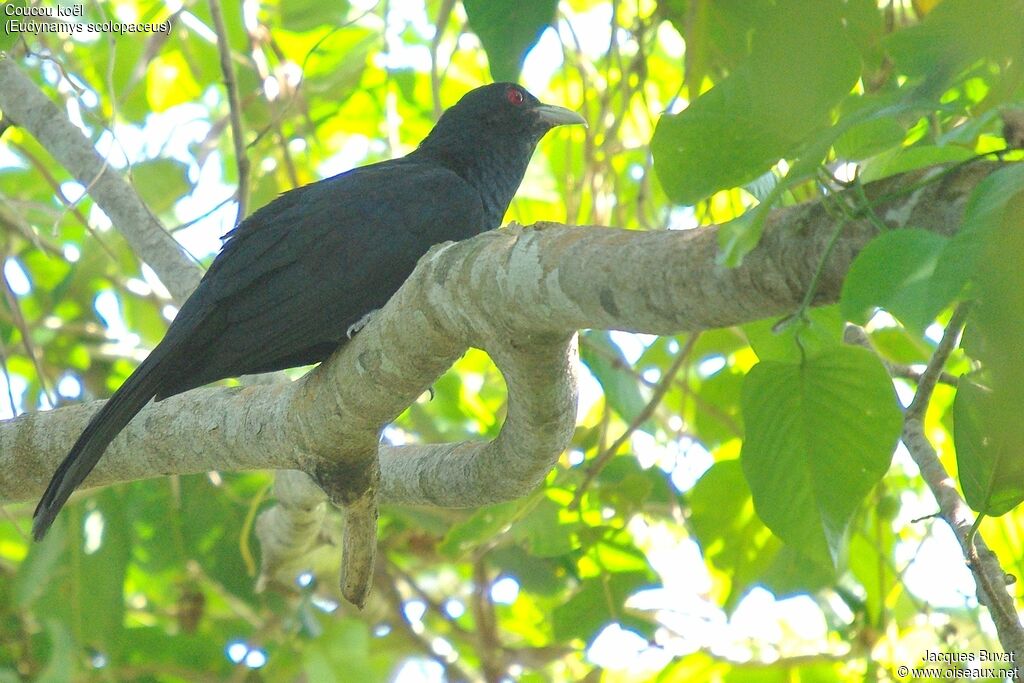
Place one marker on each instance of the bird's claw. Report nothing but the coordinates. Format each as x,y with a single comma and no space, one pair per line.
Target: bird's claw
359,324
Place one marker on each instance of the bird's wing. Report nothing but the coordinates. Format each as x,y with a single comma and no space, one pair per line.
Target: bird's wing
297,274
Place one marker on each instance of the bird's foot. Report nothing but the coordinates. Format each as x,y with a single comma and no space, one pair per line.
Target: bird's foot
359,324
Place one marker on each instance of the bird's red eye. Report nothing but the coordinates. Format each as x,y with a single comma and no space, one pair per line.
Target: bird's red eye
514,96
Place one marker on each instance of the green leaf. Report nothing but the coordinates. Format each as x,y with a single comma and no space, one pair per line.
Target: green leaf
794,573
508,34
988,426
899,346
869,137
541,575
101,573
342,653
895,271
801,64
485,523
822,332
737,237
716,417
61,666
9,38
715,31
956,34
988,458
547,530
170,81
983,216
904,159
304,15
611,369
160,183
732,537
37,570
869,558
598,603
819,436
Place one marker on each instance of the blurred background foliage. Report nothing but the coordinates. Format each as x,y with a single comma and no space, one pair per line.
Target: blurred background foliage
642,558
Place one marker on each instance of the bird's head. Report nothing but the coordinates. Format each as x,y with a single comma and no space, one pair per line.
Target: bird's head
488,137
499,112
508,107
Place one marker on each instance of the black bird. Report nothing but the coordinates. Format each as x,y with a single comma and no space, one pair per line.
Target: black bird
297,278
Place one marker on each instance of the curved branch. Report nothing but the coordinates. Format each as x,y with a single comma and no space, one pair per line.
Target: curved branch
518,293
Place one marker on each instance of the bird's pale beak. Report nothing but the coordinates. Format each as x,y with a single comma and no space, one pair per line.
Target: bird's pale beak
558,116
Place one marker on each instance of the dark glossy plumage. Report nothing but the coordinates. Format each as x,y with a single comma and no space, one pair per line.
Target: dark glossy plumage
295,276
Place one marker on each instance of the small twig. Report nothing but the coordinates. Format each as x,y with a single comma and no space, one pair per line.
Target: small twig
812,287
930,376
235,107
855,334
26,337
69,207
648,410
903,371
918,520
443,14
489,643
425,597
7,383
206,214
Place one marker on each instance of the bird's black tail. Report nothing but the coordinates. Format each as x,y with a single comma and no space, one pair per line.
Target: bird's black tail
128,400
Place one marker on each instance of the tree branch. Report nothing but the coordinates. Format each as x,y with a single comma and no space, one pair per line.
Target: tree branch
25,106
519,294
984,565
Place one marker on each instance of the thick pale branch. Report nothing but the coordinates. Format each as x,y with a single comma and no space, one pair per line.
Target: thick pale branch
513,292
25,105
540,422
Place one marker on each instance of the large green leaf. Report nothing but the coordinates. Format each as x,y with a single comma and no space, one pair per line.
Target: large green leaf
801,64
507,34
820,333
956,34
989,462
819,435
903,159
895,271
989,433
961,257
